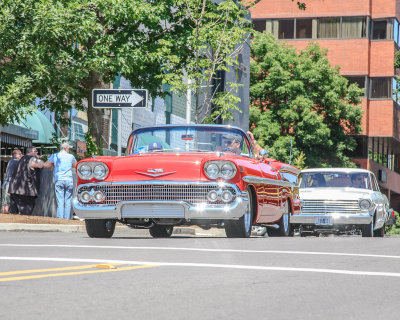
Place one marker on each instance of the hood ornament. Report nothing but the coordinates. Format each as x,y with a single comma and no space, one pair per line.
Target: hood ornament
154,173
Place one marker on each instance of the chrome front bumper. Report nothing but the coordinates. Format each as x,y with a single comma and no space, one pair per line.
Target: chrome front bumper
337,219
163,209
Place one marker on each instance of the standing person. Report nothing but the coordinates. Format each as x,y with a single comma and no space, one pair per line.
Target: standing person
16,155
25,183
63,163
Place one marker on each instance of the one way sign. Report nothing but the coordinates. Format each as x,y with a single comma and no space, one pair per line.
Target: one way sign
119,98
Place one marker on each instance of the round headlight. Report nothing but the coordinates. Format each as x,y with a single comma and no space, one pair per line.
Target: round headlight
365,204
85,171
212,196
212,171
228,171
85,196
226,196
98,196
100,171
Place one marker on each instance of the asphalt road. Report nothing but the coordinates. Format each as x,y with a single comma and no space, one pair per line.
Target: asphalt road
132,276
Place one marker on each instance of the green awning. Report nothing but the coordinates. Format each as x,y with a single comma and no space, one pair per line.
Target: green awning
38,121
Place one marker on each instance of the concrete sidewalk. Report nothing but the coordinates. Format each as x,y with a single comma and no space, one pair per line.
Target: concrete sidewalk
26,227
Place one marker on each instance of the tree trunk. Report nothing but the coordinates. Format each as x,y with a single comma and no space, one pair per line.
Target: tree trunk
95,116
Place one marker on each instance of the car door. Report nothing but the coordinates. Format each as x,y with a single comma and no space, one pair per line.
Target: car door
270,194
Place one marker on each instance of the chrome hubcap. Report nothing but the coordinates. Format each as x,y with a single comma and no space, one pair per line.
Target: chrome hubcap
247,220
285,218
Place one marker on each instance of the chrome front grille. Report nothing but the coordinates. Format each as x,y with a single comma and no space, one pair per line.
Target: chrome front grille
330,206
191,193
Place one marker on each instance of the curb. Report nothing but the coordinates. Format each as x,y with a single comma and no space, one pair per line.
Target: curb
25,227
41,227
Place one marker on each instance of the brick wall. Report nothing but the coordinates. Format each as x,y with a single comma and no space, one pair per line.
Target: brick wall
380,118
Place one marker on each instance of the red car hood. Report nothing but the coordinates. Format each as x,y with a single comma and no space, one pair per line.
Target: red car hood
159,166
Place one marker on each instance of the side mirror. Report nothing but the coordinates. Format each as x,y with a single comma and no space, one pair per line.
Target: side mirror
263,153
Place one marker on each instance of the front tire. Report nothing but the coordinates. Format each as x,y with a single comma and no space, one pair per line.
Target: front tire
285,228
161,231
241,228
100,228
367,231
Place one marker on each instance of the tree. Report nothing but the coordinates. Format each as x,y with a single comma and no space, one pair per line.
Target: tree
300,99
218,30
59,50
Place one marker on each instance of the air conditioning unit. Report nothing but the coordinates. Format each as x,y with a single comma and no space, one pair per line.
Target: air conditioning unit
382,176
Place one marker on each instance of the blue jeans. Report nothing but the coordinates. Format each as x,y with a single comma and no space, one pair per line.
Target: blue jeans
64,191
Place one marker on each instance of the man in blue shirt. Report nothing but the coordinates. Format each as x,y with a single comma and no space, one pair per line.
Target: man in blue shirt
63,163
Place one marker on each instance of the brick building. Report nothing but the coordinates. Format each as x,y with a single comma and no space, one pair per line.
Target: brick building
362,38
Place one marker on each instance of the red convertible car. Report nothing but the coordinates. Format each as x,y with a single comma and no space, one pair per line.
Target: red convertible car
205,175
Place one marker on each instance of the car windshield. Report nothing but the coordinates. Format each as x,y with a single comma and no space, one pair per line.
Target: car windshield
190,139
335,180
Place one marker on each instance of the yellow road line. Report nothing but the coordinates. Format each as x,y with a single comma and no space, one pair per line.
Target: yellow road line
53,269
38,276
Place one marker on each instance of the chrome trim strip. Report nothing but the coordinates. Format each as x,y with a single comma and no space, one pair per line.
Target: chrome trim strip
250,179
156,182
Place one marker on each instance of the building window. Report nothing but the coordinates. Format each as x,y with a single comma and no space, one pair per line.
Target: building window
359,80
383,29
395,90
303,28
259,25
396,31
286,29
322,28
76,132
328,28
381,88
354,27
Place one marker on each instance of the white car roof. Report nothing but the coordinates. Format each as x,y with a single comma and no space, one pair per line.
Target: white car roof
344,170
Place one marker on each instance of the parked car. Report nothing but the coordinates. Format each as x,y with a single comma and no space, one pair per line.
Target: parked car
341,200
173,175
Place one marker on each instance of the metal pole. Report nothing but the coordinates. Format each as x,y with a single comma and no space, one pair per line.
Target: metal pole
119,131
188,103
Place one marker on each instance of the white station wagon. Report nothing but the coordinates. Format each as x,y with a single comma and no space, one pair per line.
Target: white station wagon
341,200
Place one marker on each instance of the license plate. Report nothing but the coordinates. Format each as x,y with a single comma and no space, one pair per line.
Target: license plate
323,221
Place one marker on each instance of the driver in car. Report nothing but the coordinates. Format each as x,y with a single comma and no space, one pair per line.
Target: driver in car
358,181
232,144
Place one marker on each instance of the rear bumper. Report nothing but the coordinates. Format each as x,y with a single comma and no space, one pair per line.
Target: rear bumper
337,219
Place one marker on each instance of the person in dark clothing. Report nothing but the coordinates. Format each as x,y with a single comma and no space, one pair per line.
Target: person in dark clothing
24,183
12,164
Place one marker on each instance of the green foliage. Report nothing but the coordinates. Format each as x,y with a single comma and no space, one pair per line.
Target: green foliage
301,98
91,146
394,229
59,50
216,32
300,161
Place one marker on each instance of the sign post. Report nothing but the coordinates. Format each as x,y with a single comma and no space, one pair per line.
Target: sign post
119,99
